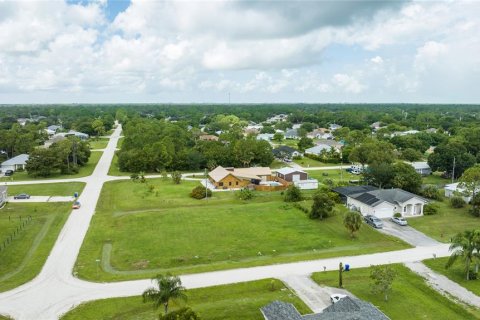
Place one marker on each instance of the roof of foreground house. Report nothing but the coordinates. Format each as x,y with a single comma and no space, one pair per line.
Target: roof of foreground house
345,309
394,196
349,190
20,159
220,172
288,170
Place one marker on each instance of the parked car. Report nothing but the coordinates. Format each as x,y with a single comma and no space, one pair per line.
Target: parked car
22,196
76,205
374,221
8,173
337,297
399,220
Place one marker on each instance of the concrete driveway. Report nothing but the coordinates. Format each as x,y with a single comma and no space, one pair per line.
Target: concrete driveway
407,234
42,199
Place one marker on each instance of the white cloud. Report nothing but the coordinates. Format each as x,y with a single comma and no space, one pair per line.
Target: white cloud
377,60
348,83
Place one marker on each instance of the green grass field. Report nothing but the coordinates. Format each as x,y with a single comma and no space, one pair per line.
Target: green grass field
334,175
24,257
446,223
455,273
138,234
47,189
100,143
411,297
436,179
307,162
228,302
83,172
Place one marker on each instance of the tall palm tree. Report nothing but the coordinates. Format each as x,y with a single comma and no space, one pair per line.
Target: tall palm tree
465,246
168,288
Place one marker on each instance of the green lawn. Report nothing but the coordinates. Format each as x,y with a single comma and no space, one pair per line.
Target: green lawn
411,297
138,234
120,142
307,162
228,302
446,223
335,175
47,189
455,273
83,172
100,143
436,179
24,257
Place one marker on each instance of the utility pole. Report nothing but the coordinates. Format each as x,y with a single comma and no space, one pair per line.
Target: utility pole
206,186
453,170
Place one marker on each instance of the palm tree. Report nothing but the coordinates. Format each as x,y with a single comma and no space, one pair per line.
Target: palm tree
465,246
169,287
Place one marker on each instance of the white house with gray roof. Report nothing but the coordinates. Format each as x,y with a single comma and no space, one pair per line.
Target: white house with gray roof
383,203
15,163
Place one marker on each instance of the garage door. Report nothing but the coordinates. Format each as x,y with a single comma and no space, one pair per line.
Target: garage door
383,212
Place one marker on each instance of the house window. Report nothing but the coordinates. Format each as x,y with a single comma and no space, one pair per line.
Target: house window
220,184
405,209
236,183
230,183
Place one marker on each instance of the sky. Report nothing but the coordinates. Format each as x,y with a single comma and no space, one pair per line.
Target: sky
246,51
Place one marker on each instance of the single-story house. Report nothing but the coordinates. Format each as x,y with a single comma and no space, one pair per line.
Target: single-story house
15,163
56,138
346,308
3,195
320,133
344,192
384,203
334,127
208,137
54,128
287,152
292,134
404,133
235,178
80,135
277,118
298,177
265,136
376,125
318,149
457,189
421,167
332,143
431,130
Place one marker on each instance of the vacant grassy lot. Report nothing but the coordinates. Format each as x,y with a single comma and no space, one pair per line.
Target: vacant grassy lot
48,189
23,258
446,223
141,233
100,143
334,175
83,172
436,179
411,297
455,273
228,302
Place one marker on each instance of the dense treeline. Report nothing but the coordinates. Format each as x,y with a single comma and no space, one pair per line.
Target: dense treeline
156,145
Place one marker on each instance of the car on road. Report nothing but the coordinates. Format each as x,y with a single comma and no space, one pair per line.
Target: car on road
399,220
374,221
8,173
337,297
76,205
21,196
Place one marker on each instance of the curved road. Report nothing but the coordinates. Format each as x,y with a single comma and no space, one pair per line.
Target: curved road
55,290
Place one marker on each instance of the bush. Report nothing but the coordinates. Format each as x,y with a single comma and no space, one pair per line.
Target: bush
176,177
397,215
301,208
431,192
430,209
180,314
245,194
293,194
199,192
457,202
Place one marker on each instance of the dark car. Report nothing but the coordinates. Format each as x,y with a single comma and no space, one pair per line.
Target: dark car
374,221
8,173
22,196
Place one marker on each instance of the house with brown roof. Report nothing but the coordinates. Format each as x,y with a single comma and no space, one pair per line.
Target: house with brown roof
208,137
258,178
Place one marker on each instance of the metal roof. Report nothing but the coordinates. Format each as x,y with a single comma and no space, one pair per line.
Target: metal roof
20,159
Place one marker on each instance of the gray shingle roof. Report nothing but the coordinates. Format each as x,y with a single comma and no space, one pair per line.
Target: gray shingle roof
279,310
20,159
393,196
346,191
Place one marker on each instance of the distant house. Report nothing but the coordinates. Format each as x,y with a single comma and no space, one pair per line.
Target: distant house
346,308
292,134
235,178
286,152
458,190
383,203
332,143
376,125
318,149
334,127
421,167
265,136
403,133
80,135
23,121
3,195
298,177
15,163
320,133
56,138
431,130
277,118
208,137
54,128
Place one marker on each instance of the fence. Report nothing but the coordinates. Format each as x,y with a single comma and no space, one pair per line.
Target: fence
23,224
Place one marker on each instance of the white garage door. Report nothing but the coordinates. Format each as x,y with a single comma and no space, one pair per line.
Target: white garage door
384,212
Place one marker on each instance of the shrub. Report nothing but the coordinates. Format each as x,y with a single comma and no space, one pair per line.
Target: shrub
176,177
199,192
457,202
397,215
301,208
245,194
430,209
180,314
293,194
431,191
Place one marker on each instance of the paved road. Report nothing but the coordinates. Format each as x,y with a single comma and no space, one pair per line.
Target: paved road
42,199
444,285
408,234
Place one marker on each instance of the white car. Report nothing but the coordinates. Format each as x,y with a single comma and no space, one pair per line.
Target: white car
337,297
400,221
